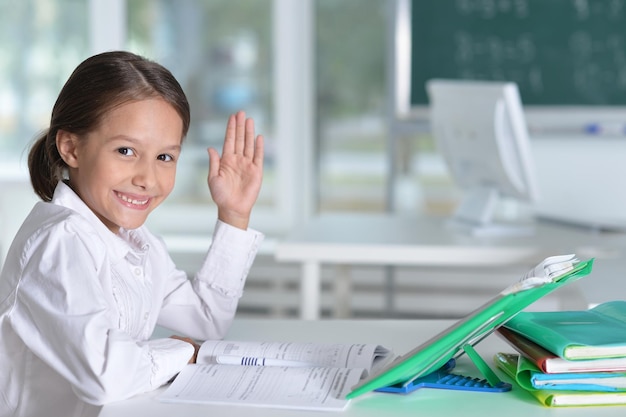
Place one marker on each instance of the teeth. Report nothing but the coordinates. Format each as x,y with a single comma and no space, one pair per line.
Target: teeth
128,200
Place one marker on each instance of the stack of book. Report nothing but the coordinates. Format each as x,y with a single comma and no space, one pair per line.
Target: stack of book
569,358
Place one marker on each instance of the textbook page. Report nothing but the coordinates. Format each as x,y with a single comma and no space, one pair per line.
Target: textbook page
547,271
336,355
552,267
264,386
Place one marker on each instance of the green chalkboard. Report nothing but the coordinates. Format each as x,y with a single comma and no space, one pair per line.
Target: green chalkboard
559,52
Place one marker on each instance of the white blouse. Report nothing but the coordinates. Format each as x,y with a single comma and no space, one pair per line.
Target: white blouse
78,305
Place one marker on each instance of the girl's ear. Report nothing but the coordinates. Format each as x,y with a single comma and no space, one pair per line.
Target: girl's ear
67,145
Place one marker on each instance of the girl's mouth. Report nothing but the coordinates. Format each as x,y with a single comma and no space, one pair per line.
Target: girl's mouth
133,201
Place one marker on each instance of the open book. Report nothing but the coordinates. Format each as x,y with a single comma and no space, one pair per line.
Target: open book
276,374
460,338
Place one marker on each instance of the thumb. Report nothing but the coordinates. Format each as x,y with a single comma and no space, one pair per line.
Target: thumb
214,162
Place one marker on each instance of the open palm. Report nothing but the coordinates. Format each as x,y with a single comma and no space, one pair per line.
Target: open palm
235,178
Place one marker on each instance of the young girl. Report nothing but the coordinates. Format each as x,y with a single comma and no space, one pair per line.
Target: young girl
84,282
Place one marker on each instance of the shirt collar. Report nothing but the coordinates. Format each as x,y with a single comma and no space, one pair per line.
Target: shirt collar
127,243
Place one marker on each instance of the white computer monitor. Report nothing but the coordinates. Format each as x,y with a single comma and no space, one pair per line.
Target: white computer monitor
479,128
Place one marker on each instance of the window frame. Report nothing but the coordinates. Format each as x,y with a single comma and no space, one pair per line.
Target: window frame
293,139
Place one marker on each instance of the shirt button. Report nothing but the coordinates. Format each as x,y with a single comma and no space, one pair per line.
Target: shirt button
145,316
137,271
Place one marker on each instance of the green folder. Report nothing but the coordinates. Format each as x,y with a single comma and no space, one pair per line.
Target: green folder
596,333
460,337
508,363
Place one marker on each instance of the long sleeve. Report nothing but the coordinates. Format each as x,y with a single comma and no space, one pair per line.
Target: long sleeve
78,306
204,306
64,313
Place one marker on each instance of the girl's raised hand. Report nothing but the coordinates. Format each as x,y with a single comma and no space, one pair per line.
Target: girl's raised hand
235,178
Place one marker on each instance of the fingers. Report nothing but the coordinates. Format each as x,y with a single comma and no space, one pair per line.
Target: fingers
258,151
240,133
240,136
229,139
214,162
192,342
248,146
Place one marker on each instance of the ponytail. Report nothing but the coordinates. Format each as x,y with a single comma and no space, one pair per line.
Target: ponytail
45,166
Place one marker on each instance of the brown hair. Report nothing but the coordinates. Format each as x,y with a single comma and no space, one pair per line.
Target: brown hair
97,85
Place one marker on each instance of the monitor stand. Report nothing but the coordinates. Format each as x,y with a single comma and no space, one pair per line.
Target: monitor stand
476,216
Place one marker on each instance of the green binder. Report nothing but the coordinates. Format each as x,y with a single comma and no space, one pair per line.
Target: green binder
460,337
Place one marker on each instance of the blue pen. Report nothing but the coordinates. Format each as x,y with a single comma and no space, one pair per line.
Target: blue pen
609,128
257,361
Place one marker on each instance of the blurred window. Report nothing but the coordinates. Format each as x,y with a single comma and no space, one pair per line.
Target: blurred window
351,104
220,51
42,41
225,53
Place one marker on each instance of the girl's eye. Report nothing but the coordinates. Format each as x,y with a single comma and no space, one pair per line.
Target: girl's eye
126,151
165,158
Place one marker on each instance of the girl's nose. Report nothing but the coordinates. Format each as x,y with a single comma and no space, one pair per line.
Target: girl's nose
145,175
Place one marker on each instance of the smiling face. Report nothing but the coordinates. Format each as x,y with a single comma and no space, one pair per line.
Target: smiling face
127,166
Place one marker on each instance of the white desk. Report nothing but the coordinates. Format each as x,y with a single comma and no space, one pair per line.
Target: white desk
401,336
365,239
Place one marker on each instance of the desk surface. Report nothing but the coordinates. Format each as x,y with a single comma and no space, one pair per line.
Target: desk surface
427,240
401,336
